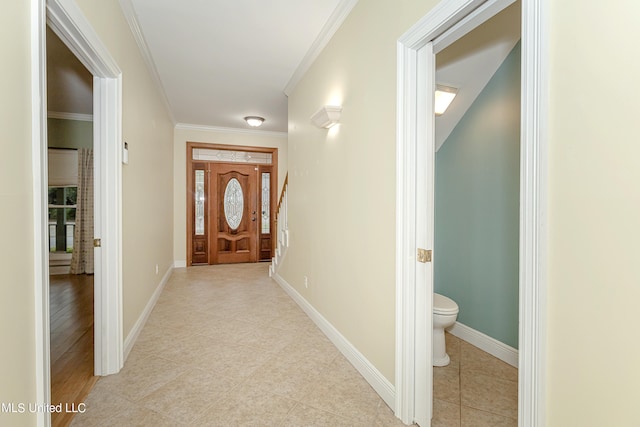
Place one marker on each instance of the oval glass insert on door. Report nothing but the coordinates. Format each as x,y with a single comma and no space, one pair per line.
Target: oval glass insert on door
233,203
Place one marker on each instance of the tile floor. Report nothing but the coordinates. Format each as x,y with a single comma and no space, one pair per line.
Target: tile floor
475,390
226,346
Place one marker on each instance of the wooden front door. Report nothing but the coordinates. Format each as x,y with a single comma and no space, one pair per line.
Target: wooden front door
234,213
230,203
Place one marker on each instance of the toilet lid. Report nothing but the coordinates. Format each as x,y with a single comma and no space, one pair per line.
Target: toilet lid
444,305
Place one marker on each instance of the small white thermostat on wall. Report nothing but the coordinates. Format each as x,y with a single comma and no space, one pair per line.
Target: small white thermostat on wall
125,153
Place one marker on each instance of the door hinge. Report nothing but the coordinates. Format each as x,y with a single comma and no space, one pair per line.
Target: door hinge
97,243
424,255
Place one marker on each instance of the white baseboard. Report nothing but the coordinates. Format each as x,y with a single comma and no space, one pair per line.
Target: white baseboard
380,384
484,342
142,320
180,263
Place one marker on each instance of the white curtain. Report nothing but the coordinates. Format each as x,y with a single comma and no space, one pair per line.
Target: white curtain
82,258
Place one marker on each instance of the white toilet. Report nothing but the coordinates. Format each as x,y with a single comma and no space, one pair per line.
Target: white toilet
445,312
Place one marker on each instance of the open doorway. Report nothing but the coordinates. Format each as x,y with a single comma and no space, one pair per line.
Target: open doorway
476,224
70,227
447,22
67,21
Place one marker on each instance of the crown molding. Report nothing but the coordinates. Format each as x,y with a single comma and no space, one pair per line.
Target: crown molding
333,23
203,128
132,19
69,116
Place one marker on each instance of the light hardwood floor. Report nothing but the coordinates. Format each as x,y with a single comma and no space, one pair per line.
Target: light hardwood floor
71,317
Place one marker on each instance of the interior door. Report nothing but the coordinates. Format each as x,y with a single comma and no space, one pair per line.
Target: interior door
425,201
234,219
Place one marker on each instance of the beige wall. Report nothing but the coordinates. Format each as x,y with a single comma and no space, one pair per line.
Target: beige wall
342,200
342,181
17,337
147,187
184,134
342,196
147,181
594,214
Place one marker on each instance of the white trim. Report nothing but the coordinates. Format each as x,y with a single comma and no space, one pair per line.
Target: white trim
66,19
131,339
405,237
42,366
531,382
204,128
380,384
484,342
533,213
108,307
180,263
70,116
332,25
132,19
424,230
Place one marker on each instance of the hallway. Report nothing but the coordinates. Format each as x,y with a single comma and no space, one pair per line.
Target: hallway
224,346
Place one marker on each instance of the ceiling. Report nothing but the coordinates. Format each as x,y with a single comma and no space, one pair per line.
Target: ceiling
218,61
470,62
69,84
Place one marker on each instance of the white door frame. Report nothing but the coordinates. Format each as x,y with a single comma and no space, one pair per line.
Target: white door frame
414,191
66,19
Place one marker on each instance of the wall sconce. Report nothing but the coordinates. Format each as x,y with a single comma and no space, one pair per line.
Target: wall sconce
327,116
443,97
254,121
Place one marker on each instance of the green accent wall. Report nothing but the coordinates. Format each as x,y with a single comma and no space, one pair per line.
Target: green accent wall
477,208
63,133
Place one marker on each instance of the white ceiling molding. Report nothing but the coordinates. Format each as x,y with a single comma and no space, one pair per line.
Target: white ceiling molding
69,116
132,19
335,21
201,128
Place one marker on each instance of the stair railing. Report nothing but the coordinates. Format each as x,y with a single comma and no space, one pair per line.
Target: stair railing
282,229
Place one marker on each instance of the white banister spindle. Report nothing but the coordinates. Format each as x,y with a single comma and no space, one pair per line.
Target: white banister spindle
282,232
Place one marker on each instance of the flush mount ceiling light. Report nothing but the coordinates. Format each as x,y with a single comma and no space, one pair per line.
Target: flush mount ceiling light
254,121
444,96
327,116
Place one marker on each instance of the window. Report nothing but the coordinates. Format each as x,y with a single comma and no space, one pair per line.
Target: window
266,200
199,199
62,218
